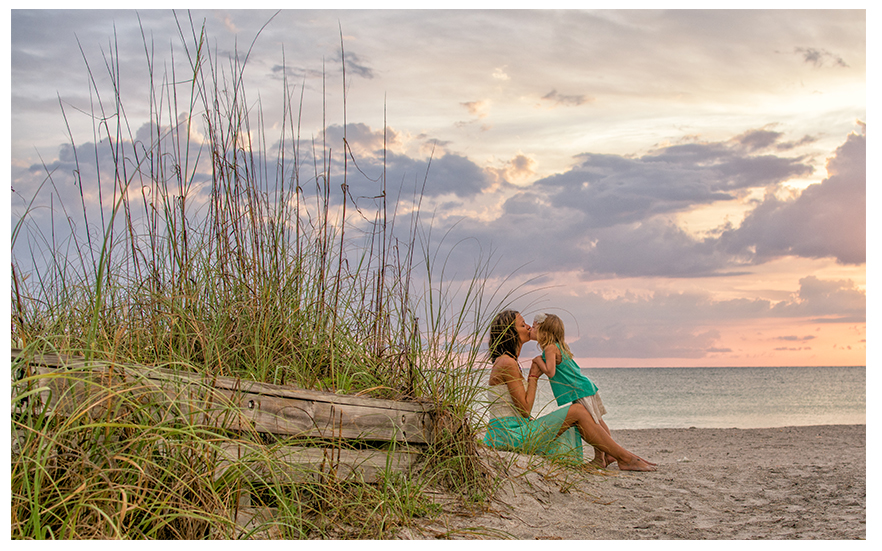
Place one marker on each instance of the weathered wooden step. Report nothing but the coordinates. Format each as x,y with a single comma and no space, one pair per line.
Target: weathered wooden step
62,383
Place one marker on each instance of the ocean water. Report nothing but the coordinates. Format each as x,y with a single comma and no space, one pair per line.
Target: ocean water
724,397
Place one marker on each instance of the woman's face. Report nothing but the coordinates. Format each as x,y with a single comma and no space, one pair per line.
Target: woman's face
524,330
534,333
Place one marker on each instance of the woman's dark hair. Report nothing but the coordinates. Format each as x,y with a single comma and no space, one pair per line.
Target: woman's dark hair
503,335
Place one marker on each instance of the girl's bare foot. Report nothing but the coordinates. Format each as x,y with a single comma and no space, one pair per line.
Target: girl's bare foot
602,459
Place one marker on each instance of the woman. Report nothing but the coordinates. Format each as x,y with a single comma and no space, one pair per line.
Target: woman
511,403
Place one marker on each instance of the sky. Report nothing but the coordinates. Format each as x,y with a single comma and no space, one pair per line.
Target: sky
683,188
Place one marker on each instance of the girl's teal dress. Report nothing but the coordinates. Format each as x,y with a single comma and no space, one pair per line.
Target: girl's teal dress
509,431
568,383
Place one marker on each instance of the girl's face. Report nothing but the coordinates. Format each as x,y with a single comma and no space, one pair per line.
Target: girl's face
534,333
524,330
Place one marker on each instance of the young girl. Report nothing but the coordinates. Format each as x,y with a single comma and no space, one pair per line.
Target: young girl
567,381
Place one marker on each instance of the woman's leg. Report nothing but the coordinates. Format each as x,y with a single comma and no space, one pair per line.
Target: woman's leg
600,439
609,459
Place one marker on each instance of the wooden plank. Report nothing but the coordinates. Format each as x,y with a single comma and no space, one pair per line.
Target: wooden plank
237,404
231,383
298,417
317,396
297,464
98,391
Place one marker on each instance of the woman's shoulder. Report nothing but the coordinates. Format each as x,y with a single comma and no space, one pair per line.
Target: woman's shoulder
505,361
504,369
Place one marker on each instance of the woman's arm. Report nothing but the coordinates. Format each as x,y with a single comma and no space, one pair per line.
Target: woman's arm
523,398
538,365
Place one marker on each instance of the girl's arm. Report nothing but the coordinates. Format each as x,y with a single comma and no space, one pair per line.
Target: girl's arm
551,360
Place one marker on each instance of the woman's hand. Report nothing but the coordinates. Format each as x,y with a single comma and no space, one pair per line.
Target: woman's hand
537,368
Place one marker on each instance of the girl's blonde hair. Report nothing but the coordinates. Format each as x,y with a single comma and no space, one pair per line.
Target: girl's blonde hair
551,331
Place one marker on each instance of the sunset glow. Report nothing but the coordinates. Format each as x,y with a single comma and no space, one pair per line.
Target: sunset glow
684,188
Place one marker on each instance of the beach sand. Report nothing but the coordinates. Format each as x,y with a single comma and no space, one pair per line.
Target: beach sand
777,483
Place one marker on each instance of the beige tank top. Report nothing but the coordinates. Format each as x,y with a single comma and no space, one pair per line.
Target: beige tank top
501,403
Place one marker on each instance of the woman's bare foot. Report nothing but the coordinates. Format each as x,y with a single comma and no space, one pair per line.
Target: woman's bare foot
636,464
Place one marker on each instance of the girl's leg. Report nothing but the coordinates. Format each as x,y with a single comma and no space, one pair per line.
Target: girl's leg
594,434
600,457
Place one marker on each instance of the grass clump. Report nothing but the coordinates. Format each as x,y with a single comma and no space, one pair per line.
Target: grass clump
192,244
103,466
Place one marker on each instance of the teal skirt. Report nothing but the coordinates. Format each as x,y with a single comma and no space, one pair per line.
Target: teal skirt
535,436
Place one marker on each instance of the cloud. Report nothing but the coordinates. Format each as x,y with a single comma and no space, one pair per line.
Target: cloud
820,58
79,169
659,342
753,140
447,173
292,72
560,99
477,108
455,174
612,189
500,74
654,248
827,219
607,216
675,324
828,300
786,146
362,139
727,166
520,167
795,338
228,22
74,194
659,324
355,65
612,215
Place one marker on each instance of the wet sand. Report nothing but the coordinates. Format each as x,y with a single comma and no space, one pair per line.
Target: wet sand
728,484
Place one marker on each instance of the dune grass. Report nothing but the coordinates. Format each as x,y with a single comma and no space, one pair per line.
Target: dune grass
126,462
194,242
